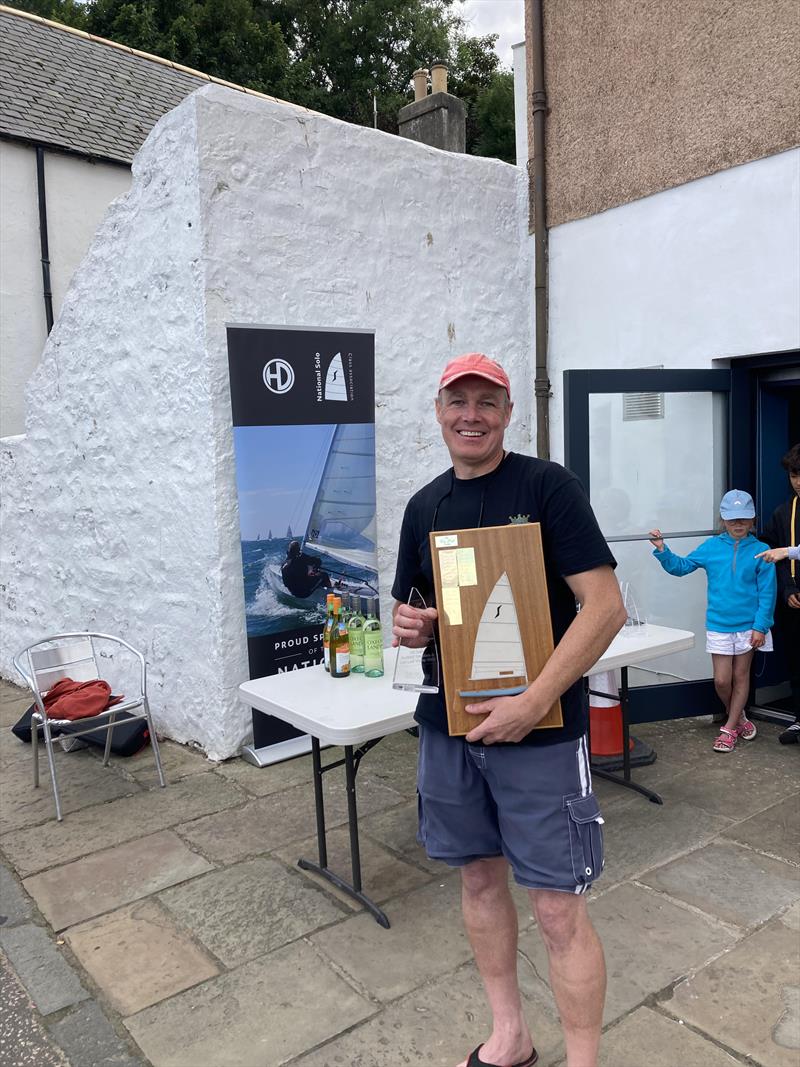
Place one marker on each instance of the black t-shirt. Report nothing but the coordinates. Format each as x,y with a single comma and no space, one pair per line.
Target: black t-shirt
521,486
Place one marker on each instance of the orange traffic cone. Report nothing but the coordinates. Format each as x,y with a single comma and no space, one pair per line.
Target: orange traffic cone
605,716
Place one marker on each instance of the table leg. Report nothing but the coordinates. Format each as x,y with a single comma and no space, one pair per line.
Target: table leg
321,868
626,780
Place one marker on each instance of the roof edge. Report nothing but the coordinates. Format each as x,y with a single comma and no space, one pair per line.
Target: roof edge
5,10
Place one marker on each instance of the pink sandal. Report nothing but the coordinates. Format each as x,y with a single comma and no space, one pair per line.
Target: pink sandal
746,730
726,742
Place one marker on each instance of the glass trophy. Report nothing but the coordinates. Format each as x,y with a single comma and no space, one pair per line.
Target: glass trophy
416,670
635,622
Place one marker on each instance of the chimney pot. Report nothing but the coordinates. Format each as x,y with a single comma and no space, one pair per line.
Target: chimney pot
420,83
439,78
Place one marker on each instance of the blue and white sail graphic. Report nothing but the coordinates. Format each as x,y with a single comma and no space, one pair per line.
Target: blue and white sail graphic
342,521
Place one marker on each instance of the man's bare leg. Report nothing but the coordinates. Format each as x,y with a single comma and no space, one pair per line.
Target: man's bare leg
491,921
577,971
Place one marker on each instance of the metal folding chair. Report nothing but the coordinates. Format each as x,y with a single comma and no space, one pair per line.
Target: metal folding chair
75,655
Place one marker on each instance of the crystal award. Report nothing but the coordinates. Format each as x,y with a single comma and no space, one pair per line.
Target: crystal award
635,621
416,670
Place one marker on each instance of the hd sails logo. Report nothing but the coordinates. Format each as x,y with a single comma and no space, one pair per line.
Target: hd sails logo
338,378
278,376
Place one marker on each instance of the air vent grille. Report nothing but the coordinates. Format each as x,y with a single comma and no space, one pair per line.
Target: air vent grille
637,406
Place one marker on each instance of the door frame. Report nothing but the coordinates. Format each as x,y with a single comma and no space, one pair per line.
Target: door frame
741,381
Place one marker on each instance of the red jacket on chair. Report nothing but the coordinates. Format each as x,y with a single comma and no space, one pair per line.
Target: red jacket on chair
78,700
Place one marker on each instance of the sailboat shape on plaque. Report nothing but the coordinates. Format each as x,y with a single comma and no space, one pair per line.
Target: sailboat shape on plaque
335,385
498,651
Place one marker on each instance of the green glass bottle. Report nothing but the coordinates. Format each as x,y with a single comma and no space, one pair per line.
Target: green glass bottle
373,640
355,629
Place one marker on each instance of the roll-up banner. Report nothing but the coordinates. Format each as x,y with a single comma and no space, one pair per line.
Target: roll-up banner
303,405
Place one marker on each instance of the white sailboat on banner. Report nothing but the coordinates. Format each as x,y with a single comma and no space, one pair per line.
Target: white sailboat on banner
498,653
335,384
342,523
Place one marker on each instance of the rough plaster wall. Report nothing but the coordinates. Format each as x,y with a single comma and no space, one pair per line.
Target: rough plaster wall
314,222
708,270
108,519
645,96
123,511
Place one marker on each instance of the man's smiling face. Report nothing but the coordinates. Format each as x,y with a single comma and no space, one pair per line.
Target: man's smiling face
473,415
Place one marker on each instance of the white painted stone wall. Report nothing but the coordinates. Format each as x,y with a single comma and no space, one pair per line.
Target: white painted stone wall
78,194
121,510
684,279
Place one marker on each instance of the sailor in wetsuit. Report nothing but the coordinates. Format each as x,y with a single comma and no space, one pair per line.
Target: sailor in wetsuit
301,573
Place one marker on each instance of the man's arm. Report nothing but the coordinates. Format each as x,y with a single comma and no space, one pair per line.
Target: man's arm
601,616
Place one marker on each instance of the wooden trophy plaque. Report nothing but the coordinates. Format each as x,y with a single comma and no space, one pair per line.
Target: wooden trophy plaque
494,618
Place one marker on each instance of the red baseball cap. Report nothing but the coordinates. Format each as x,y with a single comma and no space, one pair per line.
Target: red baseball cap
477,364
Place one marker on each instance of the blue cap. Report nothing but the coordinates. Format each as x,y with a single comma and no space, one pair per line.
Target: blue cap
737,504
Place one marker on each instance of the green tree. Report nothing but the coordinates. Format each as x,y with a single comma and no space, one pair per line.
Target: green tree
494,112
70,12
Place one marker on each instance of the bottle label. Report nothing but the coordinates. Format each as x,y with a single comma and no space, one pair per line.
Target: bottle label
373,645
326,649
357,642
342,662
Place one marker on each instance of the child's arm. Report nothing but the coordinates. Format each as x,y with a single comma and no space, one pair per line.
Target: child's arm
672,563
767,587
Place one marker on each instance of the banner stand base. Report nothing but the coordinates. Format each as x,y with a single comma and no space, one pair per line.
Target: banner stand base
283,750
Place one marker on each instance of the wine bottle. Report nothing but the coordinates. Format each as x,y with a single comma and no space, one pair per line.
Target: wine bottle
355,630
373,640
326,633
339,644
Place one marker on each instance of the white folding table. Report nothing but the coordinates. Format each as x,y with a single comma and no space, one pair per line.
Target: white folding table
356,712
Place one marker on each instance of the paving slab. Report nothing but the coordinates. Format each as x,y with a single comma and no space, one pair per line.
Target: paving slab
23,1039
15,904
262,781
106,880
89,1039
83,781
649,942
268,822
49,979
248,909
260,1015
734,883
383,874
138,956
178,761
647,1037
13,702
775,830
427,917
105,825
741,783
435,1027
397,830
748,998
644,835
791,917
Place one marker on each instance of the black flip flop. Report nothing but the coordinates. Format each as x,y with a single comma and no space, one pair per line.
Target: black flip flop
475,1060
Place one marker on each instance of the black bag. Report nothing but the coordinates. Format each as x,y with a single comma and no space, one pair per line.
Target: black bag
127,739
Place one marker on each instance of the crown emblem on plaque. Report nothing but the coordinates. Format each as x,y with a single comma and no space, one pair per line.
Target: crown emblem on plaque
519,519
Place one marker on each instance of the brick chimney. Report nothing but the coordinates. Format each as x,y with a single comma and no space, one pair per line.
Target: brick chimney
437,119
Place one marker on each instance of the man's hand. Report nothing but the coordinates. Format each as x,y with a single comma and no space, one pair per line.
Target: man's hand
412,626
509,718
757,639
794,601
773,555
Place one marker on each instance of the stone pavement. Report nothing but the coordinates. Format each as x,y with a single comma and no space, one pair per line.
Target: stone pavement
173,927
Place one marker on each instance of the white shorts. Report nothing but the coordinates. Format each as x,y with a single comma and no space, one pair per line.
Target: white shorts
734,644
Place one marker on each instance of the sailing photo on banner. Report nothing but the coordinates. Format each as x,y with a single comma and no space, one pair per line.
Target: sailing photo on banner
304,440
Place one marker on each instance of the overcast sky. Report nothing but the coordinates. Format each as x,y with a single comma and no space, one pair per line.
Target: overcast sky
506,17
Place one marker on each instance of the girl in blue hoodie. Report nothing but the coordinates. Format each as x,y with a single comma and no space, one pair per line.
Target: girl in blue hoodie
741,602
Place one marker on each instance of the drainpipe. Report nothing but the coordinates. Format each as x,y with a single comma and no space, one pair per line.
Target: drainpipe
44,244
539,110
